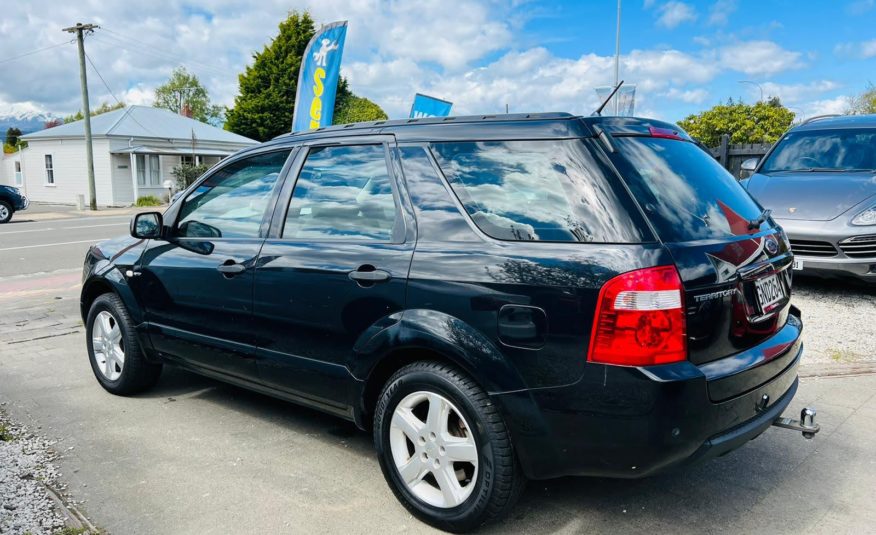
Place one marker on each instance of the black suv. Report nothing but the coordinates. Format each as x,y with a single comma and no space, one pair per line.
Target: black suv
11,201
498,298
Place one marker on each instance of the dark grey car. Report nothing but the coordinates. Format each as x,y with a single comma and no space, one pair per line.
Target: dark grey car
819,180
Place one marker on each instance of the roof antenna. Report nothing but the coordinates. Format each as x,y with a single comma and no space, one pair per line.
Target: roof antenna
607,99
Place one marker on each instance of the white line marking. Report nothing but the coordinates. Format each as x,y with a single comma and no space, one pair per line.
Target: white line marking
51,244
120,223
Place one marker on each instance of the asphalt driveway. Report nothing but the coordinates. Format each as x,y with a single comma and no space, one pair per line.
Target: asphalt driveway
197,456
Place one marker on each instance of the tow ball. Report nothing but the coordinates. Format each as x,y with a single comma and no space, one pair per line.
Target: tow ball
806,424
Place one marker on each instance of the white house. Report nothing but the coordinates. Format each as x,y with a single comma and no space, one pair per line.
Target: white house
135,150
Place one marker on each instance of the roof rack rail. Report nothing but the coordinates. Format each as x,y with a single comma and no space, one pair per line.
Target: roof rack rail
433,120
819,117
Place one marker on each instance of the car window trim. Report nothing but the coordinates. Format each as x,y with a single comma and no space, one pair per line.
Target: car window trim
171,219
281,210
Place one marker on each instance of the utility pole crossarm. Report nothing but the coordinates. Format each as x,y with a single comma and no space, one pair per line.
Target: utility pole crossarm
80,30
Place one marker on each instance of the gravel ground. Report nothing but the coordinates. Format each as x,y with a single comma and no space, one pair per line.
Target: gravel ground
26,461
839,319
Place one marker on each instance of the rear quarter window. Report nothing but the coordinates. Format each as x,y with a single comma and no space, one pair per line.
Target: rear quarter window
544,190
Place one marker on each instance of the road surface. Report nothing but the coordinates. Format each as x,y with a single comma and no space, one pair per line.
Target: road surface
29,245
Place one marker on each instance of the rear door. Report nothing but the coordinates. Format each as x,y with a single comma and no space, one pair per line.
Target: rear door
735,267
335,264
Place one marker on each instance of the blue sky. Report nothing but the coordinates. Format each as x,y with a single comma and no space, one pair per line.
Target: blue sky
684,56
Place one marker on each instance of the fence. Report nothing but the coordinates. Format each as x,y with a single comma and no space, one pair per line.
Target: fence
732,156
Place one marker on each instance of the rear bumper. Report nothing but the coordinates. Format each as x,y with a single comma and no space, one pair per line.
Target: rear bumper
634,422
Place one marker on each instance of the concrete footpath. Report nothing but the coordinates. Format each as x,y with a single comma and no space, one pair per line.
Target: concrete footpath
197,456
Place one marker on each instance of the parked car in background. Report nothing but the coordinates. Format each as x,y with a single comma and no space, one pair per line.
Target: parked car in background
819,180
496,298
11,201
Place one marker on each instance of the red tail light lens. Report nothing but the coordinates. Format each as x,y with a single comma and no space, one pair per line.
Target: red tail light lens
640,319
664,133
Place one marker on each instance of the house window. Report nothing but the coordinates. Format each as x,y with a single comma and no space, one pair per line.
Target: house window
141,169
50,170
18,178
187,160
154,170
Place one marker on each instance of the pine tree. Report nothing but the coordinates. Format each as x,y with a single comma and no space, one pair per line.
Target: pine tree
266,103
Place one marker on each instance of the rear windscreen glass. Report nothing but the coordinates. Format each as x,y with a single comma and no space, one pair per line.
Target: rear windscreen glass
546,190
685,193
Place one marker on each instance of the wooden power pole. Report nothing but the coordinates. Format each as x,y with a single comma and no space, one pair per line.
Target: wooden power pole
80,29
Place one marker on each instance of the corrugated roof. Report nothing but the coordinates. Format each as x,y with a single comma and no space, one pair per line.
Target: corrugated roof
143,122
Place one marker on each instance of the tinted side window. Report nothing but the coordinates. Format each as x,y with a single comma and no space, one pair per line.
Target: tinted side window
342,193
551,190
232,202
438,217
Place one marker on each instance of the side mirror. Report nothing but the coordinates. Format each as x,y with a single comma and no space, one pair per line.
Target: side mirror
750,164
747,168
147,225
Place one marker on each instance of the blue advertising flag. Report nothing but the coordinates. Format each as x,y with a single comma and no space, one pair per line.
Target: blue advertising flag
318,78
426,106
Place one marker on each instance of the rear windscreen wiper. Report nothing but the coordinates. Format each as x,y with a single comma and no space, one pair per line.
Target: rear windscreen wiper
755,223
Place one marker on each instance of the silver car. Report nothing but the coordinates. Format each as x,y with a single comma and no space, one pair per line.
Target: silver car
819,180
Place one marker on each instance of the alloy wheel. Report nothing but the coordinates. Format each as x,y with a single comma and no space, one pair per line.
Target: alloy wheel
108,345
4,212
434,449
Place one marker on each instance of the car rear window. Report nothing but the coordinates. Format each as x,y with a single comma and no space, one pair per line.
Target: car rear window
545,190
685,193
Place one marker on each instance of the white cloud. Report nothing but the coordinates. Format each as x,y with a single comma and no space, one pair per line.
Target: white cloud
758,57
795,93
721,11
831,106
691,96
674,13
862,50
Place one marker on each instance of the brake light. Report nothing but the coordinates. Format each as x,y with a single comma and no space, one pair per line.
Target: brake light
640,319
664,133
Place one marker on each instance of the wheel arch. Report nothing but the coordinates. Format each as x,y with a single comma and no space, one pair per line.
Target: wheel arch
421,335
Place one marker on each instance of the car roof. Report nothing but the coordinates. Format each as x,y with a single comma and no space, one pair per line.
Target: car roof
828,122
554,125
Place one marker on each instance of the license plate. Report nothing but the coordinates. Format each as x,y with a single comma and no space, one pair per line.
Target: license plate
797,265
769,292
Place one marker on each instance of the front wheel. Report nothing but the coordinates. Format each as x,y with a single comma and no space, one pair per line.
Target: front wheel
5,212
444,448
114,351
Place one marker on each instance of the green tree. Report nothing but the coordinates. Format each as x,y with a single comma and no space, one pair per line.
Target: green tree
104,107
762,122
184,92
12,135
266,103
864,103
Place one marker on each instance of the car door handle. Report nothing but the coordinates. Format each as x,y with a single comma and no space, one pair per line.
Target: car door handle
230,268
370,276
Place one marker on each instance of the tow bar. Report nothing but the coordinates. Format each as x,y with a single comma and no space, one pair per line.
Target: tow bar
806,424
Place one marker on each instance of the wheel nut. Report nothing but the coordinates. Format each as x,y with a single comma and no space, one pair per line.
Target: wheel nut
437,463
441,450
432,436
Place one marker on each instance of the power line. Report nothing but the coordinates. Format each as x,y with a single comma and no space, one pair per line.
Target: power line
38,50
125,39
139,51
106,85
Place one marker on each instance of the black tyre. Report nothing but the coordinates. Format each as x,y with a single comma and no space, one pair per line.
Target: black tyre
5,212
114,351
444,448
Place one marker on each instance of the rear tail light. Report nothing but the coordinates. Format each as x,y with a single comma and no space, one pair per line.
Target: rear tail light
640,319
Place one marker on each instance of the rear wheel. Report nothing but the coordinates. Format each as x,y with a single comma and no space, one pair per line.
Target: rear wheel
444,449
114,351
5,212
